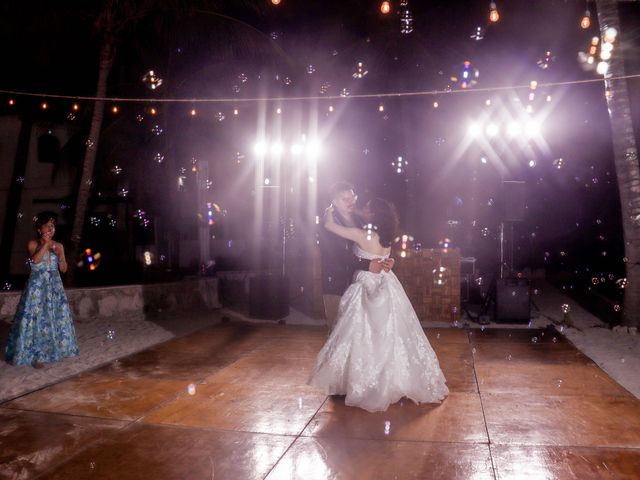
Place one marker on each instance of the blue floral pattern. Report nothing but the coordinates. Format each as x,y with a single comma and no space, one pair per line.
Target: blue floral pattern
42,330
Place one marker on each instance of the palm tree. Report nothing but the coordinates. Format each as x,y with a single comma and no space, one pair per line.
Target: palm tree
626,161
114,19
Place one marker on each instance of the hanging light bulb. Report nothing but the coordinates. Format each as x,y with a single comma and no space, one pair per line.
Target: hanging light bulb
586,20
385,7
275,2
494,16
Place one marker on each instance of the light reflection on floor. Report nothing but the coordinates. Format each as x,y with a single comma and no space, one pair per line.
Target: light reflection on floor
517,409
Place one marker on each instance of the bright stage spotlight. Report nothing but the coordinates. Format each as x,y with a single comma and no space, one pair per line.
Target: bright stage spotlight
260,148
492,130
474,130
276,149
532,128
514,129
314,149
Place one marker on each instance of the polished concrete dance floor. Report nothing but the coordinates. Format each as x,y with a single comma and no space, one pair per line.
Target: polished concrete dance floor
232,402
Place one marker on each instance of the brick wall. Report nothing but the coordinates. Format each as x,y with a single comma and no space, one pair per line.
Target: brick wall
435,297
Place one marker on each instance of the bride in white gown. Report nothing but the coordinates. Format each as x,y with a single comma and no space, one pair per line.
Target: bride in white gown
377,353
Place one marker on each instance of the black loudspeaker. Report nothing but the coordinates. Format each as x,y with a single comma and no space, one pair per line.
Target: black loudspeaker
514,200
513,300
269,297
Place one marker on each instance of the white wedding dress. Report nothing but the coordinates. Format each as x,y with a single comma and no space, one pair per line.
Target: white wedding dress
378,352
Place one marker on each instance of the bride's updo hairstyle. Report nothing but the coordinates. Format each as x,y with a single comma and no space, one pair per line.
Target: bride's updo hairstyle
385,217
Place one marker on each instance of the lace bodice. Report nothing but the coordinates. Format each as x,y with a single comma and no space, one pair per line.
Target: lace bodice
358,252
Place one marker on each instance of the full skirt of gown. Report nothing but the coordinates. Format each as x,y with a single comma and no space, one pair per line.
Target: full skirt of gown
42,330
378,353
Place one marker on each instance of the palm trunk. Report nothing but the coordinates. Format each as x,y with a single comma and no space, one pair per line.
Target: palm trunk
626,161
84,187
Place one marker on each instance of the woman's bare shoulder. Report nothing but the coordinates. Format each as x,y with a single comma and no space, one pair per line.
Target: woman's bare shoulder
32,245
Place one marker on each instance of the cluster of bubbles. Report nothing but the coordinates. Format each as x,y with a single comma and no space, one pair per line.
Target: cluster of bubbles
405,241
359,70
445,244
546,60
90,259
151,80
142,218
439,276
468,77
400,164
406,19
478,34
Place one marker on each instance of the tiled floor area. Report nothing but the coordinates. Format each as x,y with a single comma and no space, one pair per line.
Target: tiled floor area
518,409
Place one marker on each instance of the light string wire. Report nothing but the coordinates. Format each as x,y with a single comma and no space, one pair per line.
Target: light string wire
310,98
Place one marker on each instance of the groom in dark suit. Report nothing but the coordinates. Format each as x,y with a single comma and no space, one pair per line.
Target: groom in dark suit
339,263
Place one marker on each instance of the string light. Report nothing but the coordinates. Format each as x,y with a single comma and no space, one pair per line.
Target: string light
385,7
114,109
378,95
494,16
586,20
276,2
44,105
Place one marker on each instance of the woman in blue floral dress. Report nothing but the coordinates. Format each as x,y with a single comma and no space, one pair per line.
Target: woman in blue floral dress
42,330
